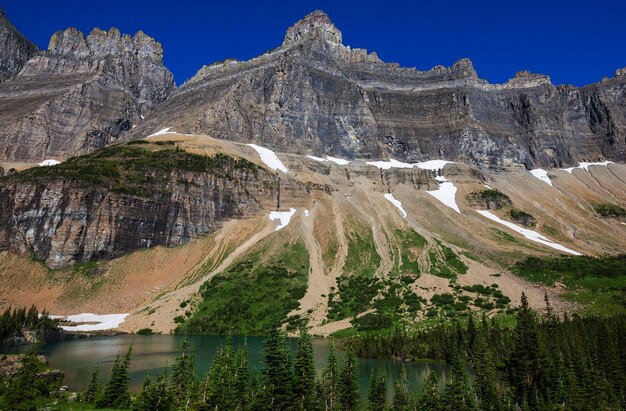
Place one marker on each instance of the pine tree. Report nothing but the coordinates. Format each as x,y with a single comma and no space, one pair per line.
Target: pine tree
116,393
485,381
401,397
154,395
348,388
526,366
458,395
329,386
376,393
428,398
94,389
183,382
304,372
278,377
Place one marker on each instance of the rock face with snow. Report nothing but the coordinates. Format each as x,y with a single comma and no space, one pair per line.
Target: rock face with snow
123,199
80,94
313,95
15,49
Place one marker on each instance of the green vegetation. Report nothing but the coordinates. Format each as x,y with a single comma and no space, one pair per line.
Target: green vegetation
598,283
14,323
447,264
138,169
362,258
411,245
489,199
547,364
522,217
610,210
244,298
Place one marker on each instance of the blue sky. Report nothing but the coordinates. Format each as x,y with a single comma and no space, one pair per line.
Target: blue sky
575,42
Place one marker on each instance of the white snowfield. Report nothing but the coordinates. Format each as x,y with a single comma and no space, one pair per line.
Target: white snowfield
270,158
529,234
161,132
320,159
386,165
306,213
339,161
446,193
48,163
103,321
283,217
585,166
541,174
396,203
432,165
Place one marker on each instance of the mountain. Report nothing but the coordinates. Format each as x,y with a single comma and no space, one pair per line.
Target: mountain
315,183
313,95
79,95
15,48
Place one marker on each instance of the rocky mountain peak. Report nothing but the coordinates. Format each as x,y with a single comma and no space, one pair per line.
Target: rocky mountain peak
100,43
314,25
15,49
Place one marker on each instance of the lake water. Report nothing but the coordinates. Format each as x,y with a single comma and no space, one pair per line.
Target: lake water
153,352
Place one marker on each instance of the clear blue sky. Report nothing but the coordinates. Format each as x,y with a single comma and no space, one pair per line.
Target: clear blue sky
575,42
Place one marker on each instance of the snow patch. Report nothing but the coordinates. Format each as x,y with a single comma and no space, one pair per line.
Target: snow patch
433,165
396,203
336,160
48,163
386,165
161,132
306,213
142,117
541,174
321,160
446,194
441,179
283,217
585,166
529,234
270,158
485,185
103,321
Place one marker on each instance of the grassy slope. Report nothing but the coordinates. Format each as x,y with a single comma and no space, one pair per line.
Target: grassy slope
245,298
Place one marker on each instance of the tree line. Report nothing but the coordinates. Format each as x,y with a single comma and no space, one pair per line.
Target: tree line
14,322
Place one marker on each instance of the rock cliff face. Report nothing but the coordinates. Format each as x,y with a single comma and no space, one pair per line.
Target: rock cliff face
15,49
129,197
315,95
81,94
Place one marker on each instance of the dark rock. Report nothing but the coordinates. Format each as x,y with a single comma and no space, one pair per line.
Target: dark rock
314,95
81,94
15,49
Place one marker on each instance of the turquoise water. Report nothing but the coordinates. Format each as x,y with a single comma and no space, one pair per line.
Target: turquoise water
152,352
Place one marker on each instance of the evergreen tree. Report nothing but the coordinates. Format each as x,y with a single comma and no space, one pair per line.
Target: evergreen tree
28,385
526,366
329,386
183,382
485,381
116,393
458,395
94,389
154,395
428,397
401,397
304,372
348,388
278,377
376,393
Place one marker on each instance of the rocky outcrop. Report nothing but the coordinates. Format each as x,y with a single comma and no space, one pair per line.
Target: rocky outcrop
15,49
314,95
125,198
80,94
